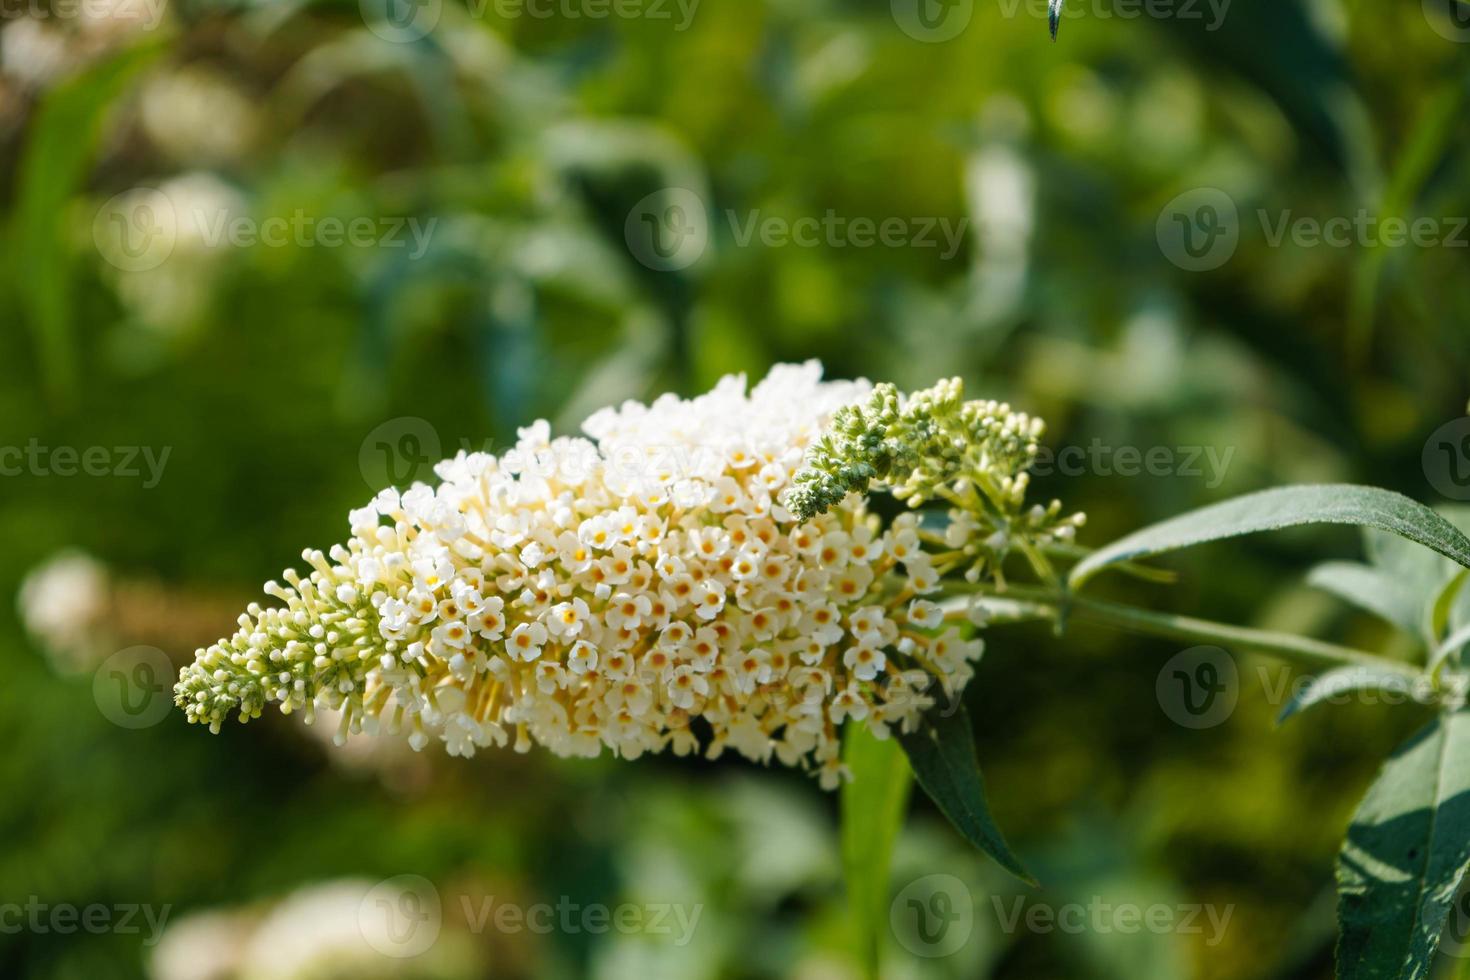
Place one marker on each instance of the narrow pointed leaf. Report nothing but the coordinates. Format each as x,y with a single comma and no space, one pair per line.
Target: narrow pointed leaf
873,806
1373,591
1452,644
1285,507
1443,613
1405,855
942,753
1344,680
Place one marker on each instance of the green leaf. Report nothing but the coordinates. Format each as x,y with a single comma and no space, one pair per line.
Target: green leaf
942,753
1345,679
63,138
1373,591
1406,852
1285,507
873,805
1444,613
1452,644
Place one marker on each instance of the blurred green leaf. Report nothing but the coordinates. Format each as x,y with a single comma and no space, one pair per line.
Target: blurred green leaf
873,806
1406,852
63,139
942,753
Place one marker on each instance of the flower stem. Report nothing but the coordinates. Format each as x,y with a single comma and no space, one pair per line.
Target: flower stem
1039,603
1300,650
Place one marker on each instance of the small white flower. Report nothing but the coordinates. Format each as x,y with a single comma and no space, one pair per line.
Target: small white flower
925,614
526,641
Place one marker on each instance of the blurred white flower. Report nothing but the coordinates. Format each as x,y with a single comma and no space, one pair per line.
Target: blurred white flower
33,53
62,604
197,116
204,946
165,247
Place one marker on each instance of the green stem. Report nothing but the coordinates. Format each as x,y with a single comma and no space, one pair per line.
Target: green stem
1299,650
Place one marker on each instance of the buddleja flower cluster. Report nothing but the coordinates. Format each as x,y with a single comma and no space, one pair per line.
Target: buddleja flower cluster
642,592
935,445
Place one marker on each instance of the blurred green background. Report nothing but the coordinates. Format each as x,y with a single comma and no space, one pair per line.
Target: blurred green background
145,148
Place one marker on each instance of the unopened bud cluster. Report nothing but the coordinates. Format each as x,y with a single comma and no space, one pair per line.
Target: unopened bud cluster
935,445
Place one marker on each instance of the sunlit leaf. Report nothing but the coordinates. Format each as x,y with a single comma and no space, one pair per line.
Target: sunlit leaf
1405,855
1284,507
